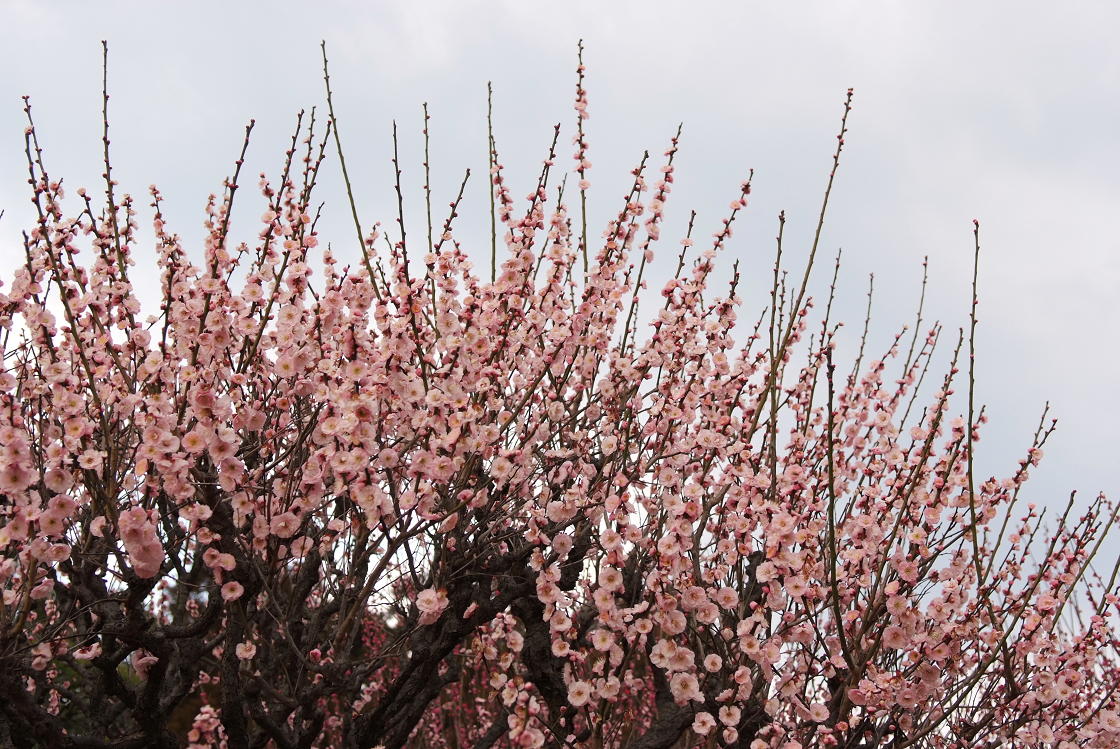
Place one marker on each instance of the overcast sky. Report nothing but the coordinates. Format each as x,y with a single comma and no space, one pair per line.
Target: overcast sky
1004,111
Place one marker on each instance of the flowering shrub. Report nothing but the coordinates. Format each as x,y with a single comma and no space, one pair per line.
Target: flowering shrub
394,504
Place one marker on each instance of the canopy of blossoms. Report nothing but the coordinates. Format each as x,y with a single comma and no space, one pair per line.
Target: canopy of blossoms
394,503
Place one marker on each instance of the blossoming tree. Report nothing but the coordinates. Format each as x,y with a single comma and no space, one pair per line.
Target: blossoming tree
396,504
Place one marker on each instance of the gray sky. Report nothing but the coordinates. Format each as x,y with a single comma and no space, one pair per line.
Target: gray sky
1005,111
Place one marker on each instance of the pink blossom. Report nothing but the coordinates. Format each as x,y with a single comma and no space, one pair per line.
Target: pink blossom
579,692
57,553
729,715
231,591
602,639
685,687
88,652
284,525
894,637
726,597
90,460
143,661
431,603
52,524
703,723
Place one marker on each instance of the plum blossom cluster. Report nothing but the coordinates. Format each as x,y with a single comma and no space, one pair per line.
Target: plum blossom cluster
387,503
